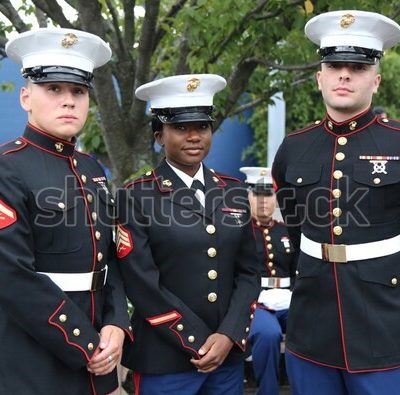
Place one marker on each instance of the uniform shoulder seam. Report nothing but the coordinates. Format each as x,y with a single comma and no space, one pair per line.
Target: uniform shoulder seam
13,148
307,128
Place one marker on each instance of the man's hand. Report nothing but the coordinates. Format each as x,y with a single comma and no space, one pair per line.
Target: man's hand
109,352
214,351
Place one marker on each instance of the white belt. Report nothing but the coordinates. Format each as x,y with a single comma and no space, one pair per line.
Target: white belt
70,282
341,253
275,282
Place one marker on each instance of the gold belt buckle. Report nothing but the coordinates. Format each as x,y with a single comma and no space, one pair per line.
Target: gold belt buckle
334,253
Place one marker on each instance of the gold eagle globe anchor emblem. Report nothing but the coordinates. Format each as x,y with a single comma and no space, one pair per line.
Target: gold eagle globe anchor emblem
69,40
347,20
193,84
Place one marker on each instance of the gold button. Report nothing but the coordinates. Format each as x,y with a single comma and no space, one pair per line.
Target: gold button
211,252
337,230
179,326
112,200
130,328
212,297
271,256
273,272
269,246
191,339
83,178
377,181
212,274
287,250
97,235
148,173
384,120
89,198
62,318
330,125
394,281
94,216
317,122
243,341
337,212
342,140
297,272
270,264
18,142
210,229
90,346
299,180
337,193
268,238
251,316
61,205
99,256
340,156
76,332
266,231
247,329
75,162
337,174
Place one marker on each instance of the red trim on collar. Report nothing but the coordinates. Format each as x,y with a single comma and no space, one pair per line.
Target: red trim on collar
55,139
44,149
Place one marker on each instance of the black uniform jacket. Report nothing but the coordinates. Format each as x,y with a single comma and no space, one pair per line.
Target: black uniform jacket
55,216
189,272
274,249
345,315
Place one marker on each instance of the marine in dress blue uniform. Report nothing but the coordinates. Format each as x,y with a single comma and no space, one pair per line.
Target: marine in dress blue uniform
278,260
59,281
187,255
338,189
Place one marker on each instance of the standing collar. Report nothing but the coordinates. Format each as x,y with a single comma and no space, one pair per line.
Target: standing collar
186,178
351,125
49,143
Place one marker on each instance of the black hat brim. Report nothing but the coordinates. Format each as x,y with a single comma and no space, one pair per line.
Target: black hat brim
43,74
186,117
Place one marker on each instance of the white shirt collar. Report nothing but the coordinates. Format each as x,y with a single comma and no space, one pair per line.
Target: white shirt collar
186,178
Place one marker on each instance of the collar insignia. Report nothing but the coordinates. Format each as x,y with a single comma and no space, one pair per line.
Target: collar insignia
59,147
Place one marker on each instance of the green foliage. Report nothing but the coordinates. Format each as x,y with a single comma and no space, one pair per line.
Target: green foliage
91,136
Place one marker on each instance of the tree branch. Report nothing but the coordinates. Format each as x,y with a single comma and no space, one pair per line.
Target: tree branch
167,20
41,17
146,42
237,83
7,9
53,11
115,21
246,106
239,28
278,66
278,11
129,22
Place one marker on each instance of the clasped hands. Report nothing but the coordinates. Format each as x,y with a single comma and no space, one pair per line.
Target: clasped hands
109,352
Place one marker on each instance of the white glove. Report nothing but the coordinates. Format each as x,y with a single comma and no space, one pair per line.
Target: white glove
275,298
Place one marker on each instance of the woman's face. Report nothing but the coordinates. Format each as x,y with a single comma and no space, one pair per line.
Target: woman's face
186,144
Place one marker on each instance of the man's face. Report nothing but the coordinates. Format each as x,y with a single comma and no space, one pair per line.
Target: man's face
186,144
262,205
347,88
57,108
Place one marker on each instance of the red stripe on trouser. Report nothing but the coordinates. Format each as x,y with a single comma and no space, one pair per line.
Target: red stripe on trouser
136,382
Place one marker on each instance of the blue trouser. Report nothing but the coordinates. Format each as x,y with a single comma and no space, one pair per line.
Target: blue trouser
307,378
225,380
265,339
